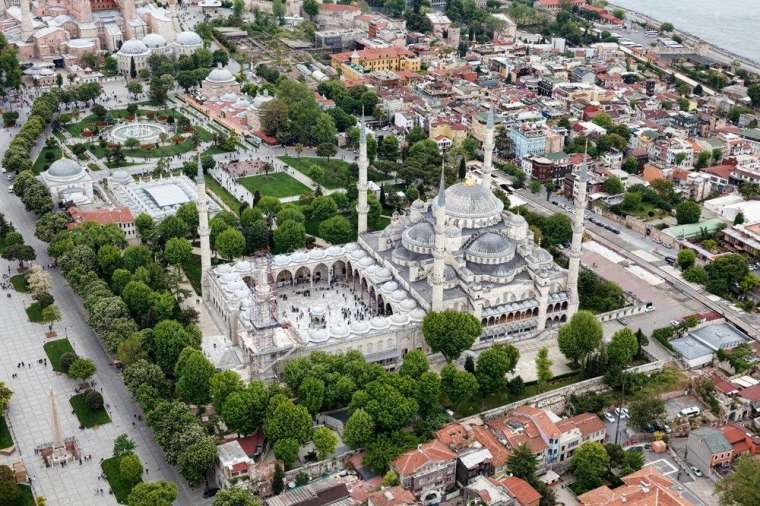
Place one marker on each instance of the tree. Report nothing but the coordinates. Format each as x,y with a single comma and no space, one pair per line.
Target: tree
666,27
688,212
459,386
588,464
230,244
157,493
753,92
286,450
557,229
740,487
580,336
222,384
359,430
311,7
135,88
686,259
725,273
123,445
235,496
543,366
739,218
169,339
82,368
177,251
194,375
622,348
493,364
336,230
197,459
289,236
415,363
388,148
10,493
5,397
130,468
523,463
647,410
325,441
311,394
278,480
450,332
288,421
38,280
613,185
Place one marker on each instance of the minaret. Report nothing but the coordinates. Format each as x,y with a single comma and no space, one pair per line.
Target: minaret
261,311
27,28
488,146
439,245
574,255
203,230
362,208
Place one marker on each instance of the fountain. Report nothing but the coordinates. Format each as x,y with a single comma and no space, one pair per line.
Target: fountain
146,132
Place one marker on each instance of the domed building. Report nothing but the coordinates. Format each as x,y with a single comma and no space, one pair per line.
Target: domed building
219,82
68,181
187,43
132,57
156,43
459,251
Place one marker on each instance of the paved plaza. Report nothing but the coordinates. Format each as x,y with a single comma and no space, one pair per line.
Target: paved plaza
305,307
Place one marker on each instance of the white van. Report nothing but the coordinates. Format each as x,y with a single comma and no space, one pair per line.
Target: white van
689,412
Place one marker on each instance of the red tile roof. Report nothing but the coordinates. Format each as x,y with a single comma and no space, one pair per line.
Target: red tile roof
394,496
338,8
102,216
486,438
525,494
587,423
646,487
434,451
723,171
751,394
454,435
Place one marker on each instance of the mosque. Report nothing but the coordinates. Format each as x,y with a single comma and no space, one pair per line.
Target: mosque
59,32
461,251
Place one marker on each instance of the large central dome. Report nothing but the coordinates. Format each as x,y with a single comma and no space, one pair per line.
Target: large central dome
472,201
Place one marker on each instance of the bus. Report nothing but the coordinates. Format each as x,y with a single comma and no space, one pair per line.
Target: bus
689,412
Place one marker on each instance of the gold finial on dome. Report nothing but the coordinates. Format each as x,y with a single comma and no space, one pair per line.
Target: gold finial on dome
469,180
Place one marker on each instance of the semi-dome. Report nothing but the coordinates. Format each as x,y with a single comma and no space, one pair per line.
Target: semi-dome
154,40
133,46
65,167
189,39
469,200
220,75
121,177
421,234
491,246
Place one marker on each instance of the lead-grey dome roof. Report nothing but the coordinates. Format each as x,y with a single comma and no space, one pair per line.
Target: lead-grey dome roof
491,244
154,40
221,75
133,46
65,167
471,200
420,234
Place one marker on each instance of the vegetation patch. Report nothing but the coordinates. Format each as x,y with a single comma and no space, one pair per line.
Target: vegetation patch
26,498
6,440
329,173
88,416
34,312
55,350
277,185
121,487
225,196
19,283
192,269
46,157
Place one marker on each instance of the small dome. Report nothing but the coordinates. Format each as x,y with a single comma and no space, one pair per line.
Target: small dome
340,331
223,269
333,251
417,315
350,247
64,167
408,305
389,286
220,75
243,266
399,318
366,262
398,295
154,40
316,254
379,322
469,200
121,177
358,254
133,46
319,336
359,327
189,39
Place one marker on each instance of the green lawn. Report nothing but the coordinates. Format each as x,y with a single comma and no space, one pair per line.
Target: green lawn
25,499
88,417
6,441
192,269
223,194
55,349
19,283
34,312
46,157
120,487
165,150
277,185
334,173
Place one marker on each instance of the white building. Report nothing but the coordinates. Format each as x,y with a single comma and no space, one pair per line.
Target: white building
68,181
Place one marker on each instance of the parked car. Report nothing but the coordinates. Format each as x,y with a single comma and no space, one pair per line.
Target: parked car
609,417
670,260
622,321
696,471
649,428
666,428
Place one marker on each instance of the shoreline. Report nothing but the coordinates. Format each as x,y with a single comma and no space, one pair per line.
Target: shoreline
721,54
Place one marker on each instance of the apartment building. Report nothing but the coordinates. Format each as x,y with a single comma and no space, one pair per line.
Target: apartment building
355,64
428,470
